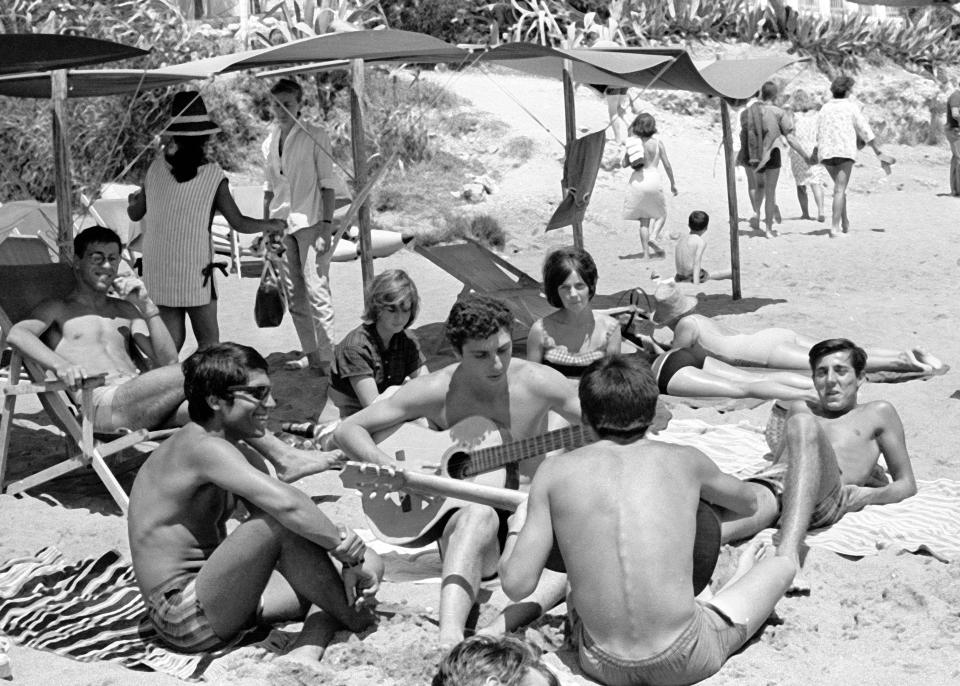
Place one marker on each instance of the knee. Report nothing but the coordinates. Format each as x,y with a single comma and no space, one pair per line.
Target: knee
477,519
801,428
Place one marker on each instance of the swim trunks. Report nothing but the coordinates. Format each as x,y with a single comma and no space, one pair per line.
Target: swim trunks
103,404
697,653
673,362
773,162
704,275
175,611
828,510
835,161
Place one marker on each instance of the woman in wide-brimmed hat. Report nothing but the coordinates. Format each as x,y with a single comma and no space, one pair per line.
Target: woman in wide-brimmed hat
180,192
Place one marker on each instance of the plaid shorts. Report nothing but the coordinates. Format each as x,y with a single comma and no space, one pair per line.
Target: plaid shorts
176,613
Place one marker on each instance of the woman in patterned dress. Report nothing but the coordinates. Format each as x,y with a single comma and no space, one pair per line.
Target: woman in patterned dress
181,191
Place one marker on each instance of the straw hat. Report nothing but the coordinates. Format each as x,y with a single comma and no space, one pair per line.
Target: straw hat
670,303
190,116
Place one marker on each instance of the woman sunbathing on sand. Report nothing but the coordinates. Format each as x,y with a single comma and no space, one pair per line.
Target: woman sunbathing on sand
575,336
775,348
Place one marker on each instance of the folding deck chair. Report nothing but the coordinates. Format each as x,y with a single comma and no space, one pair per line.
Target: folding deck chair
483,271
22,287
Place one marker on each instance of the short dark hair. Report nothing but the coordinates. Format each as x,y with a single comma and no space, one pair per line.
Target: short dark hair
858,356
474,660
560,264
213,369
94,234
287,86
618,397
477,317
644,125
391,287
698,221
841,86
769,90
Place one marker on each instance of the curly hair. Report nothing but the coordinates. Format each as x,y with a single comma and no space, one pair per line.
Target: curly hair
477,317
841,86
211,370
392,287
563,262
507,659
618,396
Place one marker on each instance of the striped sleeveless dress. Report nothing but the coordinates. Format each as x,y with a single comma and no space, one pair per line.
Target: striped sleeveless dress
177,244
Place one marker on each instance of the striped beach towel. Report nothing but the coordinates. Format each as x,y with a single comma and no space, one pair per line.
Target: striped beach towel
89,610
928,522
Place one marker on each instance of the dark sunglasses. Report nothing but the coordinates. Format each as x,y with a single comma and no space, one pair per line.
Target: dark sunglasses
260,393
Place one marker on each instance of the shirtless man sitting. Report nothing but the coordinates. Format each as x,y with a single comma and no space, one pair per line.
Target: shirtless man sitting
774,347
827,461
486,382
202,587
92,332
623,512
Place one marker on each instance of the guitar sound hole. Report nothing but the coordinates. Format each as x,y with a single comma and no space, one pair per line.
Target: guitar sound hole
457,465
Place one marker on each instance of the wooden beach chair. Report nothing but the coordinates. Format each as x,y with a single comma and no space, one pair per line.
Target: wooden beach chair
22,287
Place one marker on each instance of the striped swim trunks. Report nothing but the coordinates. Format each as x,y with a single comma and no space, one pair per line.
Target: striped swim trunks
176,613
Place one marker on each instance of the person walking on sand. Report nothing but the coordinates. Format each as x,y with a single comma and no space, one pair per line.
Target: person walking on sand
805,174
179,194
841,127
952,132
762,124
645,201
299,187
203,587
633,616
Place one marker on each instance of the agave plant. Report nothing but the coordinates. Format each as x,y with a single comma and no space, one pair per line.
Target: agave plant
288,20
540,21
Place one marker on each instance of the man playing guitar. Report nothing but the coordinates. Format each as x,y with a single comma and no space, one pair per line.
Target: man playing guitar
487,382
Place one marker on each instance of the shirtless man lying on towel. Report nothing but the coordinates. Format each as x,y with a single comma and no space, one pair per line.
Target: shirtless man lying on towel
203,587
775,348
826,463
624,513
91,332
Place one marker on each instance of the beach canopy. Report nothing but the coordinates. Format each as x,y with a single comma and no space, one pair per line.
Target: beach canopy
29,52
736,81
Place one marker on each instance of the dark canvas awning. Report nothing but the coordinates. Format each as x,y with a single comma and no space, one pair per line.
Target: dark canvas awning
370,46
28,52
664,68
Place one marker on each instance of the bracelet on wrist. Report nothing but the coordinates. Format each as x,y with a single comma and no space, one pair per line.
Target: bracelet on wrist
150,315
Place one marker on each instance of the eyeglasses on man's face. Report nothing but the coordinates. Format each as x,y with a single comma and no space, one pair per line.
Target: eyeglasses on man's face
256,393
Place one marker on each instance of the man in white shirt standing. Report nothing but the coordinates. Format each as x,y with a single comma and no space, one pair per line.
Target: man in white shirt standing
299,187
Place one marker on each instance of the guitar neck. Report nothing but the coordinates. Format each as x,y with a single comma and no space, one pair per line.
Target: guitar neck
430,484
489,459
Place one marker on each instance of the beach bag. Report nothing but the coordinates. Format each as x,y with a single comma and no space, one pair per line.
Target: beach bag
270,303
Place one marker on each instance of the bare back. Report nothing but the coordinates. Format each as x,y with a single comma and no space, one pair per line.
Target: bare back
98,340
176,519
625,522
685,254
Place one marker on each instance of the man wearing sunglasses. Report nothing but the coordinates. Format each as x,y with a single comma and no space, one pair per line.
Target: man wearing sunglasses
96,329
203,588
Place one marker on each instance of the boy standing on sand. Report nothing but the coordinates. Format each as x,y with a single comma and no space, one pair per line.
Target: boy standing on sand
633,614
688,254
203,587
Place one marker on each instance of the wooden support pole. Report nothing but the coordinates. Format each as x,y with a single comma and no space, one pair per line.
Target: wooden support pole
570,121
61,164
732,208
360,169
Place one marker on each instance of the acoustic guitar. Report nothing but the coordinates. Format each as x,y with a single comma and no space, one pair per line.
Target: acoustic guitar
471,450
377,482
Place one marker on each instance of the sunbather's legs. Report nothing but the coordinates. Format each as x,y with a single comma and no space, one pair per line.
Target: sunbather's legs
240,573
760,581
693,382
727,371
152,400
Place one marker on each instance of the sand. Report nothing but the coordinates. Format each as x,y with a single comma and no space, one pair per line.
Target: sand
885,619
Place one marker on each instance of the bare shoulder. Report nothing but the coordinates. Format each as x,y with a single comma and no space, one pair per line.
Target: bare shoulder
537,377
879,412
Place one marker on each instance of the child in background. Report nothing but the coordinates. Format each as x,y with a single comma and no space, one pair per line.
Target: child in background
689,252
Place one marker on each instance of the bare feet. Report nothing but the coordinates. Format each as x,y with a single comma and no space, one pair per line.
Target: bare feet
777,217
306,362
821,218
925,362
296,464
806,216
755,550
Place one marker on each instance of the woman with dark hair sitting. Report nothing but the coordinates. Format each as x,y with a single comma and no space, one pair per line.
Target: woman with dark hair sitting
177,199
574,336
381,352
